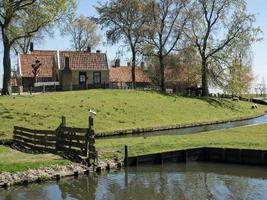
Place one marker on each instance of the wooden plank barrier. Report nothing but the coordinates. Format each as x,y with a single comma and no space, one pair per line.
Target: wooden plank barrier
67,140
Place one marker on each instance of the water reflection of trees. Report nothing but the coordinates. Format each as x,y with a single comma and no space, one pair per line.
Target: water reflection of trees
157,183
185,185
81,188
33,192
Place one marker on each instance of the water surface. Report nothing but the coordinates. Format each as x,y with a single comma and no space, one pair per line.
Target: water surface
171,181
206,128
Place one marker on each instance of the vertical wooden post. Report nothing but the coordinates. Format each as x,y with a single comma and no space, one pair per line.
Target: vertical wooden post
90,141
63,122
91,123
126,156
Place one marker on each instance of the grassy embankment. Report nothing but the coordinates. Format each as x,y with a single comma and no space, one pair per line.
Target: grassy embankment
116,110
14,161
250,137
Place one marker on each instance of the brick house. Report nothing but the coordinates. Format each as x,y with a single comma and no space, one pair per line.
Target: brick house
121,77
69,69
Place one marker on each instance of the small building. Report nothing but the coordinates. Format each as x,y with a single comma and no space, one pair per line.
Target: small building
121,77
69,70
48,71
182,81
83,70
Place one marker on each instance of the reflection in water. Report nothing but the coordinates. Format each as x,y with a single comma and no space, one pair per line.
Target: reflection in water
172,181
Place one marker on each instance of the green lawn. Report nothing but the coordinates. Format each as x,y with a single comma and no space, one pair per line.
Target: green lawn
250,137
116,110
13,161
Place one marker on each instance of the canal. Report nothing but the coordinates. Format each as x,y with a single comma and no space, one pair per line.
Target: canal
205,128
158,182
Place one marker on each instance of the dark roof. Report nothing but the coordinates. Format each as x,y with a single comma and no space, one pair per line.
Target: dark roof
124,74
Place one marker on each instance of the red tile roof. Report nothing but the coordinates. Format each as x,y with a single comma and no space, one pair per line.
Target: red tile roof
78,60
46,70
45,52
82,60
182,76
124,74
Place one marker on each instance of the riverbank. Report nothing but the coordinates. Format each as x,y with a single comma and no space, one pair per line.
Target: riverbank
18,168
248,137
54,172
111,151
116,110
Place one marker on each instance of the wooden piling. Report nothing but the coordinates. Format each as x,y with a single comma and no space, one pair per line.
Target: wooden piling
126,156
63,121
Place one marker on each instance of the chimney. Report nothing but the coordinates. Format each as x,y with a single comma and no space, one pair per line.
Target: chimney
31,47
89,49
143,65
117,63
98,51
67,62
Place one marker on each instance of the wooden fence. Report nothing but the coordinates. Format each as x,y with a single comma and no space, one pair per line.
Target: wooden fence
67,140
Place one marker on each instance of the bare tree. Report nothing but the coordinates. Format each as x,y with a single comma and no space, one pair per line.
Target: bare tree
23,45
83,32
165,30
216,25
124,20
22,19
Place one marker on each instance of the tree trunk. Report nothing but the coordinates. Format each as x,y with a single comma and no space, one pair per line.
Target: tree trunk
7,68
133,70
205,88
162,78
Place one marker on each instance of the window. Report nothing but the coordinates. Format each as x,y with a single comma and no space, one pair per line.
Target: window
82,78
97,78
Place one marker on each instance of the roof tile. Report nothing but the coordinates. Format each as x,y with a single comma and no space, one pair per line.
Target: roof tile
124,74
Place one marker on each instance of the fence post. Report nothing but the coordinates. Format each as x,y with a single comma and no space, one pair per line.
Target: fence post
126,156
63,121
91,138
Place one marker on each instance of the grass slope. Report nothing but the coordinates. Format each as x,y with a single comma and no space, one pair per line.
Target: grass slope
116,110
250,137
13,161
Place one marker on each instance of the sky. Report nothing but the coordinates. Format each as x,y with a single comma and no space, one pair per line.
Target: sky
86,7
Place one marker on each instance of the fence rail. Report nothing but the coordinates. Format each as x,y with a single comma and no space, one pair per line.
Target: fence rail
67,140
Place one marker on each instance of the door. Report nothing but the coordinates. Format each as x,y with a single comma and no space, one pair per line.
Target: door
97,79
82,79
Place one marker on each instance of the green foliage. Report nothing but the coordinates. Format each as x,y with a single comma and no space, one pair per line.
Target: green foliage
83,32
215,26
28,17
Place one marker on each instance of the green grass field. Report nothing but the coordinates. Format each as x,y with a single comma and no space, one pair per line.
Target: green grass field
14,161
250,137
116,110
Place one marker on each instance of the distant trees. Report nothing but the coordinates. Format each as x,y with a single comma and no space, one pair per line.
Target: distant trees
22,19
23,45
83,32
219,32
185,63
124,20
239,75
161,27
215,26
165,28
